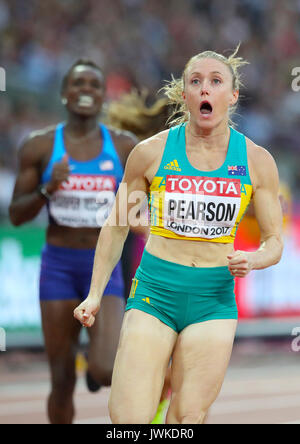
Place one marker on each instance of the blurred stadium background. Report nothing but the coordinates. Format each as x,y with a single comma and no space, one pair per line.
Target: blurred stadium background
140,43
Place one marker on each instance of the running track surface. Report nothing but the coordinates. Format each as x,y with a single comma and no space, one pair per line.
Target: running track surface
262,386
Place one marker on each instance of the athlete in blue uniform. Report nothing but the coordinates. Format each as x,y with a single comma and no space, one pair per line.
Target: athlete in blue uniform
75,169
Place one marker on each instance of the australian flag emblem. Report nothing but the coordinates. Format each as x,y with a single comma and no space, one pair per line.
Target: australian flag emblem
237,170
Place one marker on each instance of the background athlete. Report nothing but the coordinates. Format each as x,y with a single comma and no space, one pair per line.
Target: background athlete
182,302
74,169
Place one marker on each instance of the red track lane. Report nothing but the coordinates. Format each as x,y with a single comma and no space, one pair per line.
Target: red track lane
262,386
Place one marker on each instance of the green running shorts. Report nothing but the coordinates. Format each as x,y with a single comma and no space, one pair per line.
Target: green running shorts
179,295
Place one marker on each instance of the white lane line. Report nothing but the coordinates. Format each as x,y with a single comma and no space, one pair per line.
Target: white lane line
98,420
260,388
291,422
39,406
39,388
22,408
252,405
220,407
24,390
230,388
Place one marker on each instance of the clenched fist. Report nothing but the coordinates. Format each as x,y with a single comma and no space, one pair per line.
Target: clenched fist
86,311
239,263
60,173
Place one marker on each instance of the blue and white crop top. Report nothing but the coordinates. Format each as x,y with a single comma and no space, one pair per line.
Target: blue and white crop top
86,199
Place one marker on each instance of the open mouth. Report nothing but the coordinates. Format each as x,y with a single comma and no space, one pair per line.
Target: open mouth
206,108
85,101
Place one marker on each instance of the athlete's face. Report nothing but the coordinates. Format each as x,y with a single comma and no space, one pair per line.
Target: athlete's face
208,92
84,91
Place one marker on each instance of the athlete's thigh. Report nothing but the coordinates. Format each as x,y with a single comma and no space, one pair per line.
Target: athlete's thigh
61,330
199,364
105,333
144,350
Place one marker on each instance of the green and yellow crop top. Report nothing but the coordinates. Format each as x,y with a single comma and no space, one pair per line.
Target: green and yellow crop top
186,203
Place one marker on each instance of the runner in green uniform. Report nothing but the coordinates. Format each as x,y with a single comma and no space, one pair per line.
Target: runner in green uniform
200,176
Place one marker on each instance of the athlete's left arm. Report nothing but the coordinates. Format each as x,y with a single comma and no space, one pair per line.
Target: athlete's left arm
265,181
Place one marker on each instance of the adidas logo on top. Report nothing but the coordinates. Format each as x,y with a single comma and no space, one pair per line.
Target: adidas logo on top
173,166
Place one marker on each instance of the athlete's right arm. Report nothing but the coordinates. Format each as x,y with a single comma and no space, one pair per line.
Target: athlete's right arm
27,201
133,189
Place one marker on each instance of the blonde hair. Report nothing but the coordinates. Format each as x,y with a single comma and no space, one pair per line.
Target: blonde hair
132,113
174,88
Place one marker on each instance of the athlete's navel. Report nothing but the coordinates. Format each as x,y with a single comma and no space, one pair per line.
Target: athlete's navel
195,263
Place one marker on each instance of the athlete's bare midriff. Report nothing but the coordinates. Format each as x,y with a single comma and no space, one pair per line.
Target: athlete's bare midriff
67,237
189,253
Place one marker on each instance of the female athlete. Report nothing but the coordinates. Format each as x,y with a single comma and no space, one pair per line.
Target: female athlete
74,169
200,177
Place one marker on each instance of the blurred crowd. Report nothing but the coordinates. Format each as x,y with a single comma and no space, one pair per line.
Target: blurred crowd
140,43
